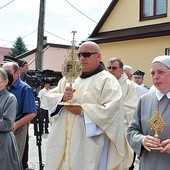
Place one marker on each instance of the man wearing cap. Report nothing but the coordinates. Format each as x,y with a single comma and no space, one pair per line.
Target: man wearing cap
138,78
149,132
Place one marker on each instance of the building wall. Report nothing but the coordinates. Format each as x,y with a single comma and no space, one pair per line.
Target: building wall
126,15
136,53
53,58
4,51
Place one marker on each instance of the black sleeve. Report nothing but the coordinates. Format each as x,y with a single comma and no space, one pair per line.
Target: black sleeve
56,110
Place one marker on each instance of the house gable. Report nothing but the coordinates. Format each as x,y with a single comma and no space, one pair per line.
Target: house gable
121,21
132,33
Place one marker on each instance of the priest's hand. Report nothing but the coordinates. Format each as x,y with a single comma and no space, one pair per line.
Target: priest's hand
150,142
166,146
68,94
74,109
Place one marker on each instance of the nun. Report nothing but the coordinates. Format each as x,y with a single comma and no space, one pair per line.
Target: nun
9,154
149,131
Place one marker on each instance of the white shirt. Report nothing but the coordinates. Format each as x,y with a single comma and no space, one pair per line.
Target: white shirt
43,98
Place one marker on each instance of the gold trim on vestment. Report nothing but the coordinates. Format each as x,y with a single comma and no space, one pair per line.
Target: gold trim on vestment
70,117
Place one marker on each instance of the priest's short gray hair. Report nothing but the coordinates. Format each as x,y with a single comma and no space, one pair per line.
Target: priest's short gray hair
128,69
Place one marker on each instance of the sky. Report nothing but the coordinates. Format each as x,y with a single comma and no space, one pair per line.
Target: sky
20,18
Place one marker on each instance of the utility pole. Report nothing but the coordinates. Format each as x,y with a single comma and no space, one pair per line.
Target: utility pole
38,66
39,51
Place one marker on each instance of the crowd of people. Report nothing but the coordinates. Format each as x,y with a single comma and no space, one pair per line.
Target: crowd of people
113,120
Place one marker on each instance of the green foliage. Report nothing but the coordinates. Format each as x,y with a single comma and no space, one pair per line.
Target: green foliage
18,48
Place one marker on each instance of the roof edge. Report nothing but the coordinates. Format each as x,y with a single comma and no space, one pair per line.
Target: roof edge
148,31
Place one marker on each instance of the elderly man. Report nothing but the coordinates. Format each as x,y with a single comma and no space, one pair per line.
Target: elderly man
89,136
129,72
149,132
130,93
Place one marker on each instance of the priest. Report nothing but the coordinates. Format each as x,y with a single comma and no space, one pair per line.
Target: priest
87,135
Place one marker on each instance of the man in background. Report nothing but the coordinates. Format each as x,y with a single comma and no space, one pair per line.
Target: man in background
129,72
129,92
139,78
42,95
23,67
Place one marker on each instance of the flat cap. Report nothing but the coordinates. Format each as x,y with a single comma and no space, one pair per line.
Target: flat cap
138,73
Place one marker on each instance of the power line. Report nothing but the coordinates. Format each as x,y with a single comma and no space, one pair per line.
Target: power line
6,4
80,12
56,36
11,42
29,34
5,40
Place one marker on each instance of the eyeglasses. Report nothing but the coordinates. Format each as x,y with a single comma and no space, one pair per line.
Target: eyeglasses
113,68
86,54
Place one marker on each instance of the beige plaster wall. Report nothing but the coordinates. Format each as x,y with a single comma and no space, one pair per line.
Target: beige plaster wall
136,53
126,15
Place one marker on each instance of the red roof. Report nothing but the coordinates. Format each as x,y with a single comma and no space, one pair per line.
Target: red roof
4,51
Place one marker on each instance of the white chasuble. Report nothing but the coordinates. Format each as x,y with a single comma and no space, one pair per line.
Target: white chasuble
68,145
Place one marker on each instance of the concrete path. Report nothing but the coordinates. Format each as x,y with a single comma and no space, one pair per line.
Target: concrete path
33,149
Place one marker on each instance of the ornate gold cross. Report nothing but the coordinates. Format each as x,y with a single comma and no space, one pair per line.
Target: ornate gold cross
156,123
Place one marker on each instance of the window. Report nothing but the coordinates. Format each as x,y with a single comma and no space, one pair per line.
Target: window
150,9
167,51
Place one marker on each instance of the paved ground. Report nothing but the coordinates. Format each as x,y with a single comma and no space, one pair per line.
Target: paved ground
33,149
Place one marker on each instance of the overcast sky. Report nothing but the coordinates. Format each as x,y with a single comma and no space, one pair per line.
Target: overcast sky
20,18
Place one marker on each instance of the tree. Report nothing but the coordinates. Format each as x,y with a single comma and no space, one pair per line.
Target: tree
19,47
